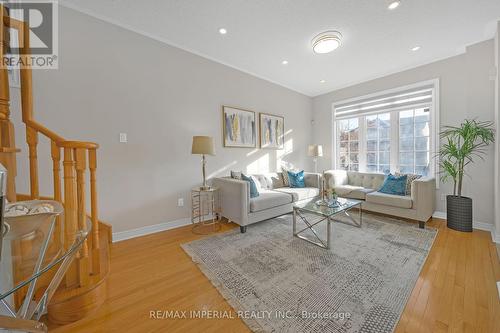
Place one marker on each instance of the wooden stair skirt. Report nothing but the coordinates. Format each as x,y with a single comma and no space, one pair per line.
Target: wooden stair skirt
72,304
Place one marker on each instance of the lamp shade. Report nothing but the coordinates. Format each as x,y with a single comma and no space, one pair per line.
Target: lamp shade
203,145
315,150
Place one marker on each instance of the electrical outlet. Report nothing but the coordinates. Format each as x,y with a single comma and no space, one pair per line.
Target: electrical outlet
180,202
443,197
123,137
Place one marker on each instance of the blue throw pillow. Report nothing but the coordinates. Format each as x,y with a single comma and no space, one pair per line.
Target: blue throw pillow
254,193
296,179
394,185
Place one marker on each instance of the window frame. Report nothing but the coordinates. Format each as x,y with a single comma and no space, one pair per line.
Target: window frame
394,137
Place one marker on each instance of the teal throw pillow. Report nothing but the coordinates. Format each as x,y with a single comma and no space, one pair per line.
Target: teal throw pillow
254,193
296,179
394,185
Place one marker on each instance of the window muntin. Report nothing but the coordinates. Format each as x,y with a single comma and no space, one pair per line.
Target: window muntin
414,141
386,142
378,143
349,144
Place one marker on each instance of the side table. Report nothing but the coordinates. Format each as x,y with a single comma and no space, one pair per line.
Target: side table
205,210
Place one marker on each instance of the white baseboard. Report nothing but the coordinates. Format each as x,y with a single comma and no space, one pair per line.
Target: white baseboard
150,229
475,225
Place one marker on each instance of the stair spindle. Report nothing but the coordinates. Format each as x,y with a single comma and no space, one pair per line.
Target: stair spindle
94,211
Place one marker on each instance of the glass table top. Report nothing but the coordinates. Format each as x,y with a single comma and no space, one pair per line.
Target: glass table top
312,206
33,228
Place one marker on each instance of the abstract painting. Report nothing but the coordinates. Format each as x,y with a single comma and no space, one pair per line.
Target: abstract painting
272,131
239,128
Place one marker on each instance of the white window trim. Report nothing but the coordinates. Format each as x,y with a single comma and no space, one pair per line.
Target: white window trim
434,124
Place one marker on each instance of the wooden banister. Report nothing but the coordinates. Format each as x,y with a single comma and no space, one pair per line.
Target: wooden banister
86,275
45,131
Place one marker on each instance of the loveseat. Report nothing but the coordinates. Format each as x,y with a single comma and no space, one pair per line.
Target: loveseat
275,199
418,205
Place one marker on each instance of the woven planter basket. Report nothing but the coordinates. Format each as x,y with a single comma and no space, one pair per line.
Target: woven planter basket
459,213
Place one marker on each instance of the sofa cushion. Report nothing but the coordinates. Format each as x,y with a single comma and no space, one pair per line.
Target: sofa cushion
300,193
269,199
268,180
366,180
353,192
254,190
394,185
389,199
296,179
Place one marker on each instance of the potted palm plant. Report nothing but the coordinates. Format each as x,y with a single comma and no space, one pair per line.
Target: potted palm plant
461,146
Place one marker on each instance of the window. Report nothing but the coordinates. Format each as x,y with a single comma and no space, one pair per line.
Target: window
378,143
414,141
349,144
388,132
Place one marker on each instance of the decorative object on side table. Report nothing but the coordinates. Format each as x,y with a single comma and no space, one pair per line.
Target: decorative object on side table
461,145
203,145
205,210
272,131
315,151
239,128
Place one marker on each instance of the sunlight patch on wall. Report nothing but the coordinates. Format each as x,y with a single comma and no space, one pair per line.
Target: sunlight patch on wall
281,154
260,165
253,152
218,172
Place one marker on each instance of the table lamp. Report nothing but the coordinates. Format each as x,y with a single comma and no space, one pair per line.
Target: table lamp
315,151
203,145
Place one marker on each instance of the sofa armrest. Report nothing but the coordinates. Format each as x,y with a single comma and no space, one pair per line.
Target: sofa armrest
423,195
235,199
312,179
335,178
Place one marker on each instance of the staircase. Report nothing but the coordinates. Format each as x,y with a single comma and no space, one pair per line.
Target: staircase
84,286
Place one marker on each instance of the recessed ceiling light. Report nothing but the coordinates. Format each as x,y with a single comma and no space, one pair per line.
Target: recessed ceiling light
394,4
222,31
284,62
416,48
322,81
326,42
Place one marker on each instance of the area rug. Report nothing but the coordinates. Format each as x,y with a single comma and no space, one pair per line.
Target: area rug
280,283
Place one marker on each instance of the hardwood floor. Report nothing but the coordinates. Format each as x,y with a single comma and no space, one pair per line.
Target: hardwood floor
456,290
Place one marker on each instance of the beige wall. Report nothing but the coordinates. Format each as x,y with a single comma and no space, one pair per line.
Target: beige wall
466,91
112,80
497,143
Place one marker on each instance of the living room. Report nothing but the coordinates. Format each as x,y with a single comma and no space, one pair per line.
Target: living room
222,144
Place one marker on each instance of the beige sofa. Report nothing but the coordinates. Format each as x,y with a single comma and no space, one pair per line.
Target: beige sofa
418,206
274,198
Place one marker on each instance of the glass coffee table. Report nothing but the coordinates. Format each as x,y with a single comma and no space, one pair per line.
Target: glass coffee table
307,209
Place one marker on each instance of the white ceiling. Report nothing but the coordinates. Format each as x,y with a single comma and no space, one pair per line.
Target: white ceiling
263,33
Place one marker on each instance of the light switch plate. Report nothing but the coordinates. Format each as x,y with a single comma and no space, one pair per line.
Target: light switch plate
123,137
180,202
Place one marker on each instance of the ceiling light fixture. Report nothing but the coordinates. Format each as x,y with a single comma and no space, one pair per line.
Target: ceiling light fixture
416,48
394,4
284,62
322,81
222,31
326,42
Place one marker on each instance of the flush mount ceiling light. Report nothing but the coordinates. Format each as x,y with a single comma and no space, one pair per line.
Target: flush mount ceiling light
284,62
393,4
416,48
222,31
322,81
326,42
